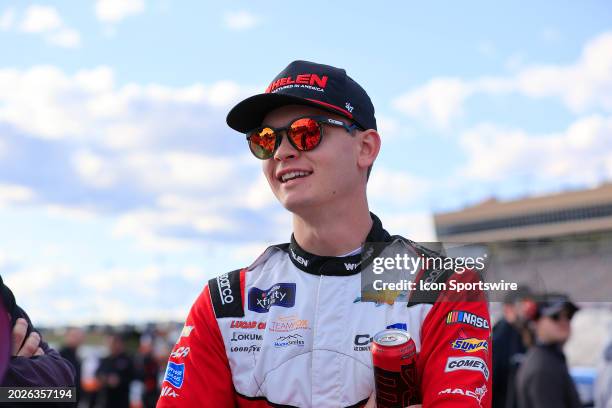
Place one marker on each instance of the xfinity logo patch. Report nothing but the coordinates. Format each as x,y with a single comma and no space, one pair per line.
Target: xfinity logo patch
281,294
224,289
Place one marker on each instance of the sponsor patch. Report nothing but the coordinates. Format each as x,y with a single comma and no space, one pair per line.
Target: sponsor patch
289,340
225,295
470,345
467,363
362,342
186,331
168,392
478,393
245,325
253,348
288,324
180,352
175,373
459,316
246,336
280,294
401,326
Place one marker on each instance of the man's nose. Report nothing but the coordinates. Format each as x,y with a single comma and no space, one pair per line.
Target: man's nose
285,150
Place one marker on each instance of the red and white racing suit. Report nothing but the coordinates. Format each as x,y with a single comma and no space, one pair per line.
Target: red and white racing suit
291,331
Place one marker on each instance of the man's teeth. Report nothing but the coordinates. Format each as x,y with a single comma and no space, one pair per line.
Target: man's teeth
294,174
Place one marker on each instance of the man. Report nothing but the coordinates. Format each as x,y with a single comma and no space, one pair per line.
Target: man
5,339
73,339
147,368
116,373
291,329
543,379
510,339
33,363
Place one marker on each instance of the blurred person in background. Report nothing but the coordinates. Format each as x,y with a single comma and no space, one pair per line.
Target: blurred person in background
5,339
33,362
511,338
603,384
543,379
116,373
73,339
148,369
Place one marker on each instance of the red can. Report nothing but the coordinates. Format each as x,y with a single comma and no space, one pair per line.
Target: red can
395,372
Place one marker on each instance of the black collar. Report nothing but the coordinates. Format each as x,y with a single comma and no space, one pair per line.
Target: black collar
339,266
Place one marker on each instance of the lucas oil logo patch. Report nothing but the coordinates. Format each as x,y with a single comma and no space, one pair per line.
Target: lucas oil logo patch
280,294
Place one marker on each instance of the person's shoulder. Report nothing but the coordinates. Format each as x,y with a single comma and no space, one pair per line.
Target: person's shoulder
538,360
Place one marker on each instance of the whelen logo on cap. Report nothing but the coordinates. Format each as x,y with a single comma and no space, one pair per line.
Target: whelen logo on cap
301,79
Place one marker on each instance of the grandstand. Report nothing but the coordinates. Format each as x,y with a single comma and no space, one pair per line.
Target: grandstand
560,242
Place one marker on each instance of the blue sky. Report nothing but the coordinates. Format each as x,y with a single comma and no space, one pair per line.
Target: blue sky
122,191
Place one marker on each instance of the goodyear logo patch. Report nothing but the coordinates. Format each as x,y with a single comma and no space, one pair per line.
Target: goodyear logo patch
470,345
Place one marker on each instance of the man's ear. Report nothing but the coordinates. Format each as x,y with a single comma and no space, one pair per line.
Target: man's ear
369,147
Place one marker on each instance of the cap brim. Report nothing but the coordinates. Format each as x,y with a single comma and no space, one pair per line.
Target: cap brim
248,114
556,308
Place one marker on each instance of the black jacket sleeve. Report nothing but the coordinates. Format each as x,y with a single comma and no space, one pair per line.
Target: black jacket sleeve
48,370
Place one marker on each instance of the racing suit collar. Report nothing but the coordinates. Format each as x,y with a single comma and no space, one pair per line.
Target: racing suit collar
339,266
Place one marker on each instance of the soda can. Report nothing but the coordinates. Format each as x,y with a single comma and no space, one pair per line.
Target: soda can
395,372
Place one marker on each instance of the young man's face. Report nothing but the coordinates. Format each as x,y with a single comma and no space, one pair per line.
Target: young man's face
333,173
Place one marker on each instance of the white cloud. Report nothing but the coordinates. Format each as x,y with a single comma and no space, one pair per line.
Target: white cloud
241,20
440,100
66,37
12,194
71,212
417,226
94,169
44,21
581,154
584,85
137,142
113,11
40,19
46,103
397,188
7,19
3,148
388,127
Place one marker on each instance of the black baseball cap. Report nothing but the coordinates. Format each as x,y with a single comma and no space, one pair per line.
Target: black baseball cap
553,303
306,83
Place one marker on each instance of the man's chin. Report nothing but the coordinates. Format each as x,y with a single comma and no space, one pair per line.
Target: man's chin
298,205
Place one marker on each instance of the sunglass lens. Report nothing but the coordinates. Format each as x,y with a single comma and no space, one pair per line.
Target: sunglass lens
262,143
305,134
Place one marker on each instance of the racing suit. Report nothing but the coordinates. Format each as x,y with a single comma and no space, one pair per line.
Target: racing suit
291,330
